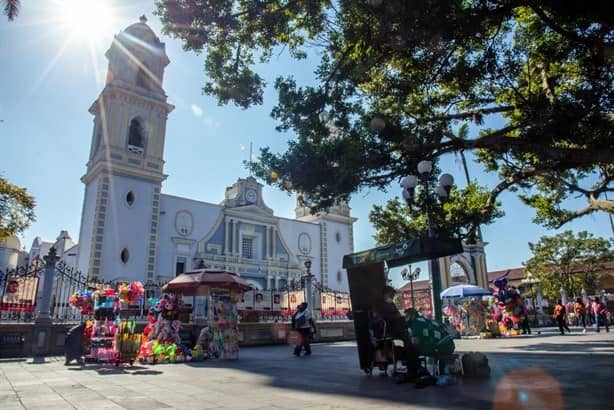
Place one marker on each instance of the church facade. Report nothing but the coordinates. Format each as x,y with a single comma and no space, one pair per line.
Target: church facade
131,230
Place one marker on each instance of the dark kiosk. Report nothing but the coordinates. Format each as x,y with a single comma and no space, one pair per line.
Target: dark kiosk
367,279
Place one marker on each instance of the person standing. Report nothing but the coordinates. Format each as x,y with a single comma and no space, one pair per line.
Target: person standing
524,325
600,313
303,323
580,311
560,315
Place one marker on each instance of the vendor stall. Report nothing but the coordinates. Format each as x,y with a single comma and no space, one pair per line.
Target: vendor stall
223,291
106,338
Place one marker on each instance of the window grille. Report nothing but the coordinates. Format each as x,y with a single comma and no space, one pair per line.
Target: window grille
247,248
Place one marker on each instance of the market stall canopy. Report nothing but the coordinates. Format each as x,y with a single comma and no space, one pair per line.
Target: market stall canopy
198,283
463,291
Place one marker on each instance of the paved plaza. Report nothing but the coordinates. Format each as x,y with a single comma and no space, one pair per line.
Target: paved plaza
538,371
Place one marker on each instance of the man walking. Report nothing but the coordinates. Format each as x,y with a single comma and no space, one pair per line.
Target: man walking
560,315
580,311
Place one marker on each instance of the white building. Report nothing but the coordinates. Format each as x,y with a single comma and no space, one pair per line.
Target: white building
11,254
130,230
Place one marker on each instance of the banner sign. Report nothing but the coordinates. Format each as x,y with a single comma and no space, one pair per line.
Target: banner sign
20,294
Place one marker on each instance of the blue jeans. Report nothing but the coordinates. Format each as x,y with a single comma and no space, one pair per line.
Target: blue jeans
602,316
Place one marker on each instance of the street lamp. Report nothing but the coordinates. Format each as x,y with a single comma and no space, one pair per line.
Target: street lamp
531,280
308,278
409,184
407,274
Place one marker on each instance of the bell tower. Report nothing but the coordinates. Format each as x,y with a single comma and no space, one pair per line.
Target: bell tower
119,222
336,238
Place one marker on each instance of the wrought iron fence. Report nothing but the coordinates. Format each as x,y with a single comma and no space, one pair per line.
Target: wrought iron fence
69,281
18,291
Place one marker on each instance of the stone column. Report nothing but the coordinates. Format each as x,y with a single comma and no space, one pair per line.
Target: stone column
41,333
226,238
233,228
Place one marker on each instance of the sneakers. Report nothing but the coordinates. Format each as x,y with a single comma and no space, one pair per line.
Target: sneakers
584,331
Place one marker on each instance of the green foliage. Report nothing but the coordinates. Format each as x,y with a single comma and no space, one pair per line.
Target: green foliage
397,77
458,217
569,261
16,209
10,8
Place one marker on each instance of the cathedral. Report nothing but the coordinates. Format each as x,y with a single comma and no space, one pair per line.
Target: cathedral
131,230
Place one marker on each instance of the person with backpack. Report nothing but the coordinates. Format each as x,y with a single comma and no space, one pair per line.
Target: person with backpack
600,313
560,315
580,311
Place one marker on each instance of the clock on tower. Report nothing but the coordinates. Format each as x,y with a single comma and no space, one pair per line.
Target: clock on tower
251,196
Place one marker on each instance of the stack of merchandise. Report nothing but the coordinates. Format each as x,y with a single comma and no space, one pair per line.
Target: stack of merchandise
102,346
83,302
161,340
127,343
226,330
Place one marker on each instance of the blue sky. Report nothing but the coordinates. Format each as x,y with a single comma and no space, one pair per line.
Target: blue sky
51,74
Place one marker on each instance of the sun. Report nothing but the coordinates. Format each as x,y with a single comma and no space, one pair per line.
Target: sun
90,20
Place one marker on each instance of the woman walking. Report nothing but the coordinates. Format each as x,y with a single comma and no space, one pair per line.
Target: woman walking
303,322
600,314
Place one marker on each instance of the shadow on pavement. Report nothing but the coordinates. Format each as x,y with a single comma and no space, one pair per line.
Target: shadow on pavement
111,369
333,369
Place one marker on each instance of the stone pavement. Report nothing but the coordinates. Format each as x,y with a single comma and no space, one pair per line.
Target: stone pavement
544,371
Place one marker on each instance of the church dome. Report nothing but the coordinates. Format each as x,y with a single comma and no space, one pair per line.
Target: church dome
12,242
142,31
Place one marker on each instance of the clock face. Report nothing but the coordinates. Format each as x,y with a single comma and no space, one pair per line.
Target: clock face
250,196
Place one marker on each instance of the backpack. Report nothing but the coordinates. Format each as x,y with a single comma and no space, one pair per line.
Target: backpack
475,364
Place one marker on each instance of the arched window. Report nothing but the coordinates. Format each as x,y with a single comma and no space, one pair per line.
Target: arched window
136,137
124,255
130,198
458,273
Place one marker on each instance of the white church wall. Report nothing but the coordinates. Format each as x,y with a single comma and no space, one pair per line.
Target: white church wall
339,243
129,229
293,233
86,236
174,242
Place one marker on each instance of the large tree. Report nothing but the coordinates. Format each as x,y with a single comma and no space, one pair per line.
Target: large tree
397,78
569,261
16,209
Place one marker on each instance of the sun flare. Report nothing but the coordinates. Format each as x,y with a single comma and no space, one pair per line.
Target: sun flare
87,19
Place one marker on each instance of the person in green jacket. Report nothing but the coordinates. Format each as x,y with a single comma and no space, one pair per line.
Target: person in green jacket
430,338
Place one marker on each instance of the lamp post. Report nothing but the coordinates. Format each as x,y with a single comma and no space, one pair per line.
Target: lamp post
308,277
410,275
441,193
531,280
